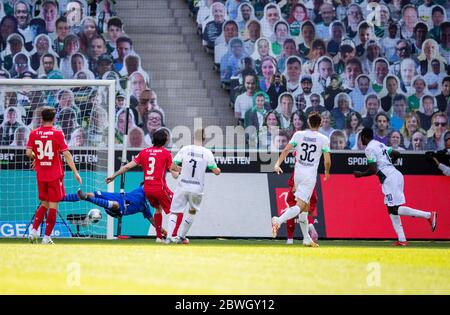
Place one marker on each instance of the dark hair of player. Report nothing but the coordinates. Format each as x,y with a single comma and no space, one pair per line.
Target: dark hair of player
314,120
199,135
159,138
366,135
48,114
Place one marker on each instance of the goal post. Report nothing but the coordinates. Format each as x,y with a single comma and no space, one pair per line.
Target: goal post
86,114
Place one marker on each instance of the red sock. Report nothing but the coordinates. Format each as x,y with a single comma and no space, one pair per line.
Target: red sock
290,228
179,220
39,216
158,224
310,219
50,222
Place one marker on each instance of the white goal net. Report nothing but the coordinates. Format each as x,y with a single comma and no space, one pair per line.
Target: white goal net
85,112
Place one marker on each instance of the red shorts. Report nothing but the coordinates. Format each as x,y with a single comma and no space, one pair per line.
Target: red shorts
51,191
160,198
290,200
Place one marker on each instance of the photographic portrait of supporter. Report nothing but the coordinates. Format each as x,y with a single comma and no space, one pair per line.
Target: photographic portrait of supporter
84,74
14,46
23,15
402,51
365,33
268,69
71,46
245,13
391,89
322,74
21,63
143,107
232,60
318,49
407,73
272,14
298,15
426,110
286,107
337,32
78,138
279,141
361,90
105,11
430,51
11,121
8,26
293,71
289,49
253,33
97,47
353,68
328,14
203,14
121,124
418,142
353,125
301,100
113,75
308,34
138,83
281,33
87,33
399,112
438,16
221,46
254,117
62,30
298,122
419,36
326,126
353,19
42,46
67,121
124,47
411,125
153,122
213,28
104,65
97,130
338,140
372,107
444,47
77,63
439,126
359,145
132,63
276,88
395,8
372,52
270,127
434,77
66,99
424,11
381,20
49,13
263,49
395,141
314,103
342,109
136,138
114,31
443,99
418,89
332,91
232,8
244,101
382,127
409,19
21,135
389,42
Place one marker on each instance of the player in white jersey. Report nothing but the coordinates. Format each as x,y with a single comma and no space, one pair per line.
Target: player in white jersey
194,159
379,160
309,144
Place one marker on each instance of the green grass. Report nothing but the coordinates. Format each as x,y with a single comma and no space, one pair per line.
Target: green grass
140,266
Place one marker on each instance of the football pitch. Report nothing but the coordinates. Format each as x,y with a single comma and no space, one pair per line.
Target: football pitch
223,266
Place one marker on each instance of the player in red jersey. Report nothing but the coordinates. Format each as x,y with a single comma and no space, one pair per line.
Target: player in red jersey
155,162
290,224
44,148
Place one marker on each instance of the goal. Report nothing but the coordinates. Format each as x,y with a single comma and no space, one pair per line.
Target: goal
85,112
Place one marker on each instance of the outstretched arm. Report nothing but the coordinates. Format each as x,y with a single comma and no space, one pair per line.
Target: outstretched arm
69,159
281,158
371,170
122,170
327,164
175,170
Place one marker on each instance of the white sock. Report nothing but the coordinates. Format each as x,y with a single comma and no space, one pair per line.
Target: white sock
303,220
188,219
410,212
397,223
171,224
34,231
46,237
290,213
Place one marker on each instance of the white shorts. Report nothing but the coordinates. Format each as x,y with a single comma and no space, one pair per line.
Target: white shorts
304,188
393,190
182,199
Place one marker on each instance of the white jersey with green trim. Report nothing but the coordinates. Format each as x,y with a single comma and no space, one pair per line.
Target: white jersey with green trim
193,160
309,146
377,152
